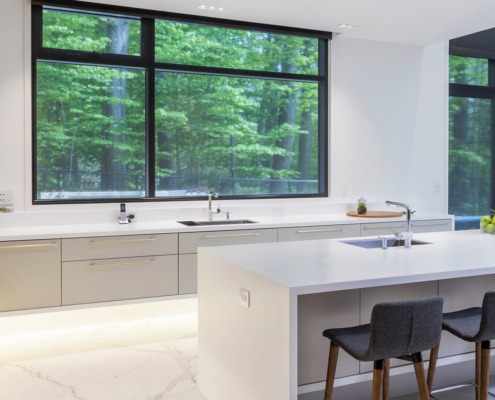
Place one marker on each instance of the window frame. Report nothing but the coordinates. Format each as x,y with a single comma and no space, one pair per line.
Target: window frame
147,61
457,47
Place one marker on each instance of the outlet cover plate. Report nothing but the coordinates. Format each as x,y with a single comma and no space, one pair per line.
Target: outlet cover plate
244,298
6,198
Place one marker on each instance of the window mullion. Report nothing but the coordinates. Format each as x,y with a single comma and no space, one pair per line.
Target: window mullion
491,83
148,53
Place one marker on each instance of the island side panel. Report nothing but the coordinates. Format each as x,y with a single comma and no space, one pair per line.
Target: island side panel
317,312
458,294
244,353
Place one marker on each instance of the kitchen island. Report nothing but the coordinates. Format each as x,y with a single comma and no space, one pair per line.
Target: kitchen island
262,307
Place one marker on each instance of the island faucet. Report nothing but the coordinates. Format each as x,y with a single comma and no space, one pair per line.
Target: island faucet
407,235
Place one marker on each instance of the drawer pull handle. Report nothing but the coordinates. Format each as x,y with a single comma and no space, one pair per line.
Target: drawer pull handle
432,224
118,264
130,241
368,228
320,230
241,235
29,246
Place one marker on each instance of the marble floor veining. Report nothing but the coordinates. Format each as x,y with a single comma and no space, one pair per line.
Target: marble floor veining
140,352
142,359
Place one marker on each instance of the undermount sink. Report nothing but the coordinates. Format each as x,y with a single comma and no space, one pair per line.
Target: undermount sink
218,222
377,243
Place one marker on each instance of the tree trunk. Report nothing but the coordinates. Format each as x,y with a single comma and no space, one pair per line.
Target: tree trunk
304,151
114,171
287,116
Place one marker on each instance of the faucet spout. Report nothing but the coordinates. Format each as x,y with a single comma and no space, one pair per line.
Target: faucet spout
210,210
408,212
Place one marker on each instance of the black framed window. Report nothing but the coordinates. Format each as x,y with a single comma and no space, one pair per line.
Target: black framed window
472,128
133,105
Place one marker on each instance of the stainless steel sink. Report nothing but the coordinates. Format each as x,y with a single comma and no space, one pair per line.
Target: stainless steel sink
377,243
218,222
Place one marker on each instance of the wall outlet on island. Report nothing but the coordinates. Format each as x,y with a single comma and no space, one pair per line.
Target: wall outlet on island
244,298
6,197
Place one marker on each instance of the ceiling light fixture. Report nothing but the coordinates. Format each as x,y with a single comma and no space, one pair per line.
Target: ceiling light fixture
211,8
347,26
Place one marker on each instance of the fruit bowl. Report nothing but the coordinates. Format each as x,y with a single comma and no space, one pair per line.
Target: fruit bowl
483,230
487,225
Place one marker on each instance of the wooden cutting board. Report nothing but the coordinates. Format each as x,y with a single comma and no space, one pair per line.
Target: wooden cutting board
376,214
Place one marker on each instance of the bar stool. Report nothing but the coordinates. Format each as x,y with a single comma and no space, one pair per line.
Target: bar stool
476,324
396,330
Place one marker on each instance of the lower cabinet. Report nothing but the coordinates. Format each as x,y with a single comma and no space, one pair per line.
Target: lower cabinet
110,268
92,281
389,228
318,232
441,225
382,228
188,249
30,274
188,273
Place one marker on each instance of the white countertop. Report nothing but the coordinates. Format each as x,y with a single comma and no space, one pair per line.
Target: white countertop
330,265
85,229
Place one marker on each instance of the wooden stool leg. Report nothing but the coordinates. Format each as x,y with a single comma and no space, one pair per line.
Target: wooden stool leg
377,380
332,366
420,376
485,369
478,370
432,366
386,379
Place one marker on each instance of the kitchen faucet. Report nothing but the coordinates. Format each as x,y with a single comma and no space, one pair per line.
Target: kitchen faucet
407,235
218,210
210,211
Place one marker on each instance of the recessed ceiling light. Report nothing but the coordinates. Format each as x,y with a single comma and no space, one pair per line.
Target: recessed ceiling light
211,8
347,26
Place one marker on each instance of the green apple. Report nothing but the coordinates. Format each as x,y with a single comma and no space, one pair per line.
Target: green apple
485,220
490,228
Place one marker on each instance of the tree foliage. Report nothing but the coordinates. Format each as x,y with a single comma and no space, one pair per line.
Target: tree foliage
228,132
470,147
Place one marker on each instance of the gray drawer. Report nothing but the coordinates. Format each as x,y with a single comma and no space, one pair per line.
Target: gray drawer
189,242
118,246
119,279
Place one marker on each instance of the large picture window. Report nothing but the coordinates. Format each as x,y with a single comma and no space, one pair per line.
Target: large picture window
133,105
472,128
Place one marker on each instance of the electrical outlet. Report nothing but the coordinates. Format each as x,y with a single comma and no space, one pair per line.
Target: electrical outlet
6,198
244,298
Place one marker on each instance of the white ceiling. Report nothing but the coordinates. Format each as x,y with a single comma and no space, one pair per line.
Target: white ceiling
416,22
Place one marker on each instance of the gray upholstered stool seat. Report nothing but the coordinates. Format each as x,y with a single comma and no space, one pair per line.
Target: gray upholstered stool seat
476,325
396,330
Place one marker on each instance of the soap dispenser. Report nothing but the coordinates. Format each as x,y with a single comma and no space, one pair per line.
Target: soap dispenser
361,205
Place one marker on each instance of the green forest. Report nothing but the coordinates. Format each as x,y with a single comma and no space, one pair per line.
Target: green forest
470,146
233,133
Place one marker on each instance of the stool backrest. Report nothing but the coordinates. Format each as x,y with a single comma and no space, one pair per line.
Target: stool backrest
487,324
405,327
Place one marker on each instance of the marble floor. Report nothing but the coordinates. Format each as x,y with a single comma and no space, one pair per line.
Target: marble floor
133,352
150,358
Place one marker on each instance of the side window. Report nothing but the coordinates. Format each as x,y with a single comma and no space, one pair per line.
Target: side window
471,131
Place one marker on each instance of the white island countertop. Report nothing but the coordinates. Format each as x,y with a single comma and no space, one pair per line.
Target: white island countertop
331,265
254,294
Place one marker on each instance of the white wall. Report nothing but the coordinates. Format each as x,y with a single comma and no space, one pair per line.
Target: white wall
388,119
12,99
